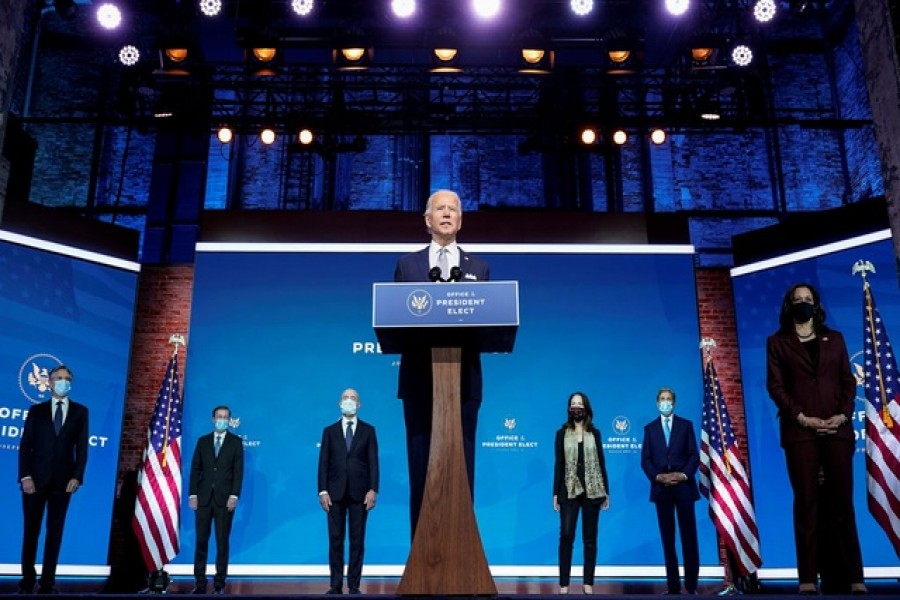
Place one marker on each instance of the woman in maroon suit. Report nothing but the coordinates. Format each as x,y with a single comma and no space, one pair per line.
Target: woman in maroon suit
808,376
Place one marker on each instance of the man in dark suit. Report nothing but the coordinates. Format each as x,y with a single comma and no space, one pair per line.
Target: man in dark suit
443,218
217,473
52,458
348,488
670,460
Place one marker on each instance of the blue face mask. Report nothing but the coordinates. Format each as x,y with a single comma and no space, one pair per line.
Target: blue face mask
221,424
62,387
666,407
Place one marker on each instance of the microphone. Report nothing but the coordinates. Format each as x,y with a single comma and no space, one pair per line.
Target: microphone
455,274
434,274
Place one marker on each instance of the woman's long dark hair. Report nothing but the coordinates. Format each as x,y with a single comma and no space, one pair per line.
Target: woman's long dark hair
588,422
786,321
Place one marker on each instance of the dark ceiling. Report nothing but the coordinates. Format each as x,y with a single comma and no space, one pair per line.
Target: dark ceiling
398,93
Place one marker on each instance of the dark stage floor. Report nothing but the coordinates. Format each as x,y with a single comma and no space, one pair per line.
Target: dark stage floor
507,587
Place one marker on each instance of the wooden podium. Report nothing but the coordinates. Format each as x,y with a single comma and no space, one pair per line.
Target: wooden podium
446,557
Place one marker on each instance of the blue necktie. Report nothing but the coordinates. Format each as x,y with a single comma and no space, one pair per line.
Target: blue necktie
349,436
667,429
218,445
57,418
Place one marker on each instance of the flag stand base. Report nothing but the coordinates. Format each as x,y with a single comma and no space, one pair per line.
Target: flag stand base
157,583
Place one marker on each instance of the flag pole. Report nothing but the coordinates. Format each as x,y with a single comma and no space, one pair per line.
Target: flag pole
178,340
861,267
708,344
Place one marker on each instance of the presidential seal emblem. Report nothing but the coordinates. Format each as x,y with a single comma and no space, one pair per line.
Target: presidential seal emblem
419,303
34,377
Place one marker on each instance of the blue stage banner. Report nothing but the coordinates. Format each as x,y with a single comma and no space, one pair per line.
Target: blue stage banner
62,305
278,334
758,292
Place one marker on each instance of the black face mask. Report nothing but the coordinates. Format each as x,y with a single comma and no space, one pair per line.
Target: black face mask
577,414
802,312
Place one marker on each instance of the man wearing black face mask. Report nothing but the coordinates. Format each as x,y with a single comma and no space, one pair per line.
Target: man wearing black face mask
808,376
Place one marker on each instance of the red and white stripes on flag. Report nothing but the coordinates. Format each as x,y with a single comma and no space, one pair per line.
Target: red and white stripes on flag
723,480
158,507
882,422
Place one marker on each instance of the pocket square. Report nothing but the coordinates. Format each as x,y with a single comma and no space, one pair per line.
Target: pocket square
470,276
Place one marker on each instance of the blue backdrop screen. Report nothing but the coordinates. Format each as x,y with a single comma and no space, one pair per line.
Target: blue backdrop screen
56,308
278,335
758,295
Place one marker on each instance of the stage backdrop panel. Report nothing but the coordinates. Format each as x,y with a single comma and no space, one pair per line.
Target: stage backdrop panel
62,305
758,292
278,331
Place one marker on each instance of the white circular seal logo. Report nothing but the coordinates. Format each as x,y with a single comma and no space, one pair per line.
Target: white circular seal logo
419,303
621,425
34,376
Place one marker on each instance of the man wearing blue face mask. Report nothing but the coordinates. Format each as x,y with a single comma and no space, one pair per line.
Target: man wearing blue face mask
217,473
670,459
52,458
348,488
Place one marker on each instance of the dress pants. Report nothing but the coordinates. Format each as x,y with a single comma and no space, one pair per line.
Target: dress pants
221,517
568,519
417,413
834,457
338,516
56,502
687,527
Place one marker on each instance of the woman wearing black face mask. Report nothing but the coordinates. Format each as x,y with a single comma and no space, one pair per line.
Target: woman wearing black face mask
579,483
808,376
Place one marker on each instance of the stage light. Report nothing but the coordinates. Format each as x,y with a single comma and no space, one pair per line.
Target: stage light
177,55
302,7
581,7
225,135
623,58
444,60
588,136
210,8
109,16
677,8
403,8
658,136
353,54
305,137
619,137
536,61
129,55
263,56
764,10
742,55
486,9
267,136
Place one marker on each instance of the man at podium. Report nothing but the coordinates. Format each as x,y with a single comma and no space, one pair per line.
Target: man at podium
441,260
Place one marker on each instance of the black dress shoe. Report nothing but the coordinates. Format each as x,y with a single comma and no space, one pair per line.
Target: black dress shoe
199,589
48,590
334,591
219,590
354,591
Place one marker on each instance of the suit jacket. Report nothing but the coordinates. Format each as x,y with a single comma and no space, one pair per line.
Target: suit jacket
414,380
559,464
217,478
50,459
797,385
680,455
348,473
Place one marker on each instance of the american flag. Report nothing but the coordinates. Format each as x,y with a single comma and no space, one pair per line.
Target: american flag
882,422
723,480
158,507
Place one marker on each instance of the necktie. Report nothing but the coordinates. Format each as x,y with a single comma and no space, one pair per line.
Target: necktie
667,429
218,445
57,418
349,436
442,263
